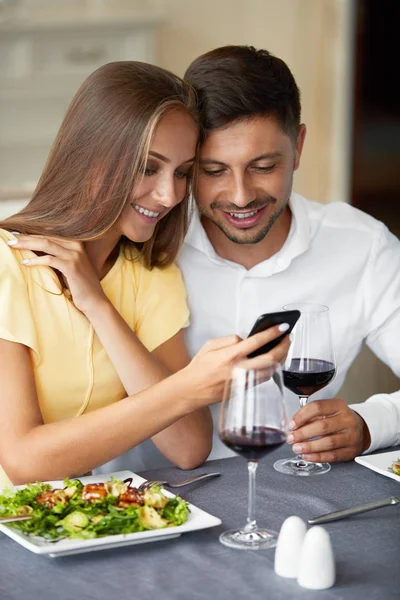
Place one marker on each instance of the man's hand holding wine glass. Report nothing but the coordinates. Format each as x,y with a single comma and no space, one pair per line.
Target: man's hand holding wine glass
342,432
309,367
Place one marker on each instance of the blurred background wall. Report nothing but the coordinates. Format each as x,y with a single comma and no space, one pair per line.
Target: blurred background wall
338,50
48,47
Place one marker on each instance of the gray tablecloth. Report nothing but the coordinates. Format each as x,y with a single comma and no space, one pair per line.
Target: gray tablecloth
196,566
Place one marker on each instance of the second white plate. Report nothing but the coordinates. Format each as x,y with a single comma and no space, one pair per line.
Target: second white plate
380,462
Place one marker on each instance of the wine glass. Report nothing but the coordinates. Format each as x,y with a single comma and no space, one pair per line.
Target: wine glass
309,367
252,423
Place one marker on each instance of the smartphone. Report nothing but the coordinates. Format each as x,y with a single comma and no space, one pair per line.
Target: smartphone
270,320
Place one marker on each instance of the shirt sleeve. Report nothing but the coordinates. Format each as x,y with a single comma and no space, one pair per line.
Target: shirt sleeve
161,308
381,412
382,416
16,317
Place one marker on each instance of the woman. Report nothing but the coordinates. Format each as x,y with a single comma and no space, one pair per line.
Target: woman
91,306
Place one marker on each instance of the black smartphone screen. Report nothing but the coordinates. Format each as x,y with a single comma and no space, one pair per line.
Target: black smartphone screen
270,320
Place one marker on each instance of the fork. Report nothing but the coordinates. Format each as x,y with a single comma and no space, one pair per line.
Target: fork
147,485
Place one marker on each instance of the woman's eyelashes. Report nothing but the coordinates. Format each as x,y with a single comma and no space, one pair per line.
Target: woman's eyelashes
148,171
179,173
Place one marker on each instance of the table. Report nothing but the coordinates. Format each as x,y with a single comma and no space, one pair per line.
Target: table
196,566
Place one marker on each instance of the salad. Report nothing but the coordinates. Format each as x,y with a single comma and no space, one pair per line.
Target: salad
395,468
90,511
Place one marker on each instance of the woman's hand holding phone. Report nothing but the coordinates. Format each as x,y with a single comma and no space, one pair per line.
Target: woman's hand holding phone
268,320
207,372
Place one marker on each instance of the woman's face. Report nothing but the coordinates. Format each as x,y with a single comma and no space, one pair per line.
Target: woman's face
164,183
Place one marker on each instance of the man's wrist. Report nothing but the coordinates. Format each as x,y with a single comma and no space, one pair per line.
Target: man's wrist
365,436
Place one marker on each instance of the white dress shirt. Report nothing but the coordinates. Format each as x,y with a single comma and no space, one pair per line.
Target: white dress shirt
334,255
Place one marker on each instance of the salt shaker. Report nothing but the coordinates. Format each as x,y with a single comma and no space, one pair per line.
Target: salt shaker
317,563
288,548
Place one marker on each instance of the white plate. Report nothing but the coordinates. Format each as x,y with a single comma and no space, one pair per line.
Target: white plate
380,462
197,519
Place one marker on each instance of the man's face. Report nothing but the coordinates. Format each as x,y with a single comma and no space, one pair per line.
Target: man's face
245,177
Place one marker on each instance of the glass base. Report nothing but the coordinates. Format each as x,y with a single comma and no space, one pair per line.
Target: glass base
301,468
259,539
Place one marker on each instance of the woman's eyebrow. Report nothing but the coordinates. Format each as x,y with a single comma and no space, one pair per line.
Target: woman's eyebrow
167,160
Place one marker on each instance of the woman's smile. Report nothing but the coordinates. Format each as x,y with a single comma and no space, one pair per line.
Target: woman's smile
150,216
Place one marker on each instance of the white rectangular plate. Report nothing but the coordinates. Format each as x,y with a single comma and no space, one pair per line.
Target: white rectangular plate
197,519
380,462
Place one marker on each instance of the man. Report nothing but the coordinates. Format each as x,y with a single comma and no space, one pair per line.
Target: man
254,246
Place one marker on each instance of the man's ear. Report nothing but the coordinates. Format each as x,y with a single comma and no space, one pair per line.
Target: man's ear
299,145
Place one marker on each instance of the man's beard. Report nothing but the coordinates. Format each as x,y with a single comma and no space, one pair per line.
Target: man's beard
245,236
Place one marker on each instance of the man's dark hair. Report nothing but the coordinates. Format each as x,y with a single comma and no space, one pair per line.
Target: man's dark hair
238,82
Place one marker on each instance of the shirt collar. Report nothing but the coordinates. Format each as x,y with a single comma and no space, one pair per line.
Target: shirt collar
296,243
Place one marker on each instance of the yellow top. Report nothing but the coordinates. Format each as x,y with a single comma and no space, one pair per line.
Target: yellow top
72,371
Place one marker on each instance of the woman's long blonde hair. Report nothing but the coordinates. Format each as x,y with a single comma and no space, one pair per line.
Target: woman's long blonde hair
100,152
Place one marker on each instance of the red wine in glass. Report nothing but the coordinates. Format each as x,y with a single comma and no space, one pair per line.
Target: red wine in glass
308,376
255,443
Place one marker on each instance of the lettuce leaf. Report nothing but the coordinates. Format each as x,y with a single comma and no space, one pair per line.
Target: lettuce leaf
11,500
176,511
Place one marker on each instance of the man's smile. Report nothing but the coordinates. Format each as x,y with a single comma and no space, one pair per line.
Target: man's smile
244,220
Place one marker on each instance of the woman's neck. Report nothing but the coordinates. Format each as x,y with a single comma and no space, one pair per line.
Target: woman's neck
102,253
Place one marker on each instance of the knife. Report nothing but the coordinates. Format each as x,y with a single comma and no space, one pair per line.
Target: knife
356,510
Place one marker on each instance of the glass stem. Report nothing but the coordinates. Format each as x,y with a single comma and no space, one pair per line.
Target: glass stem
303,400
251,524
301,464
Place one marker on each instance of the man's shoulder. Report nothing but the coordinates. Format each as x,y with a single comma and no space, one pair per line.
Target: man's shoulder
341,216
